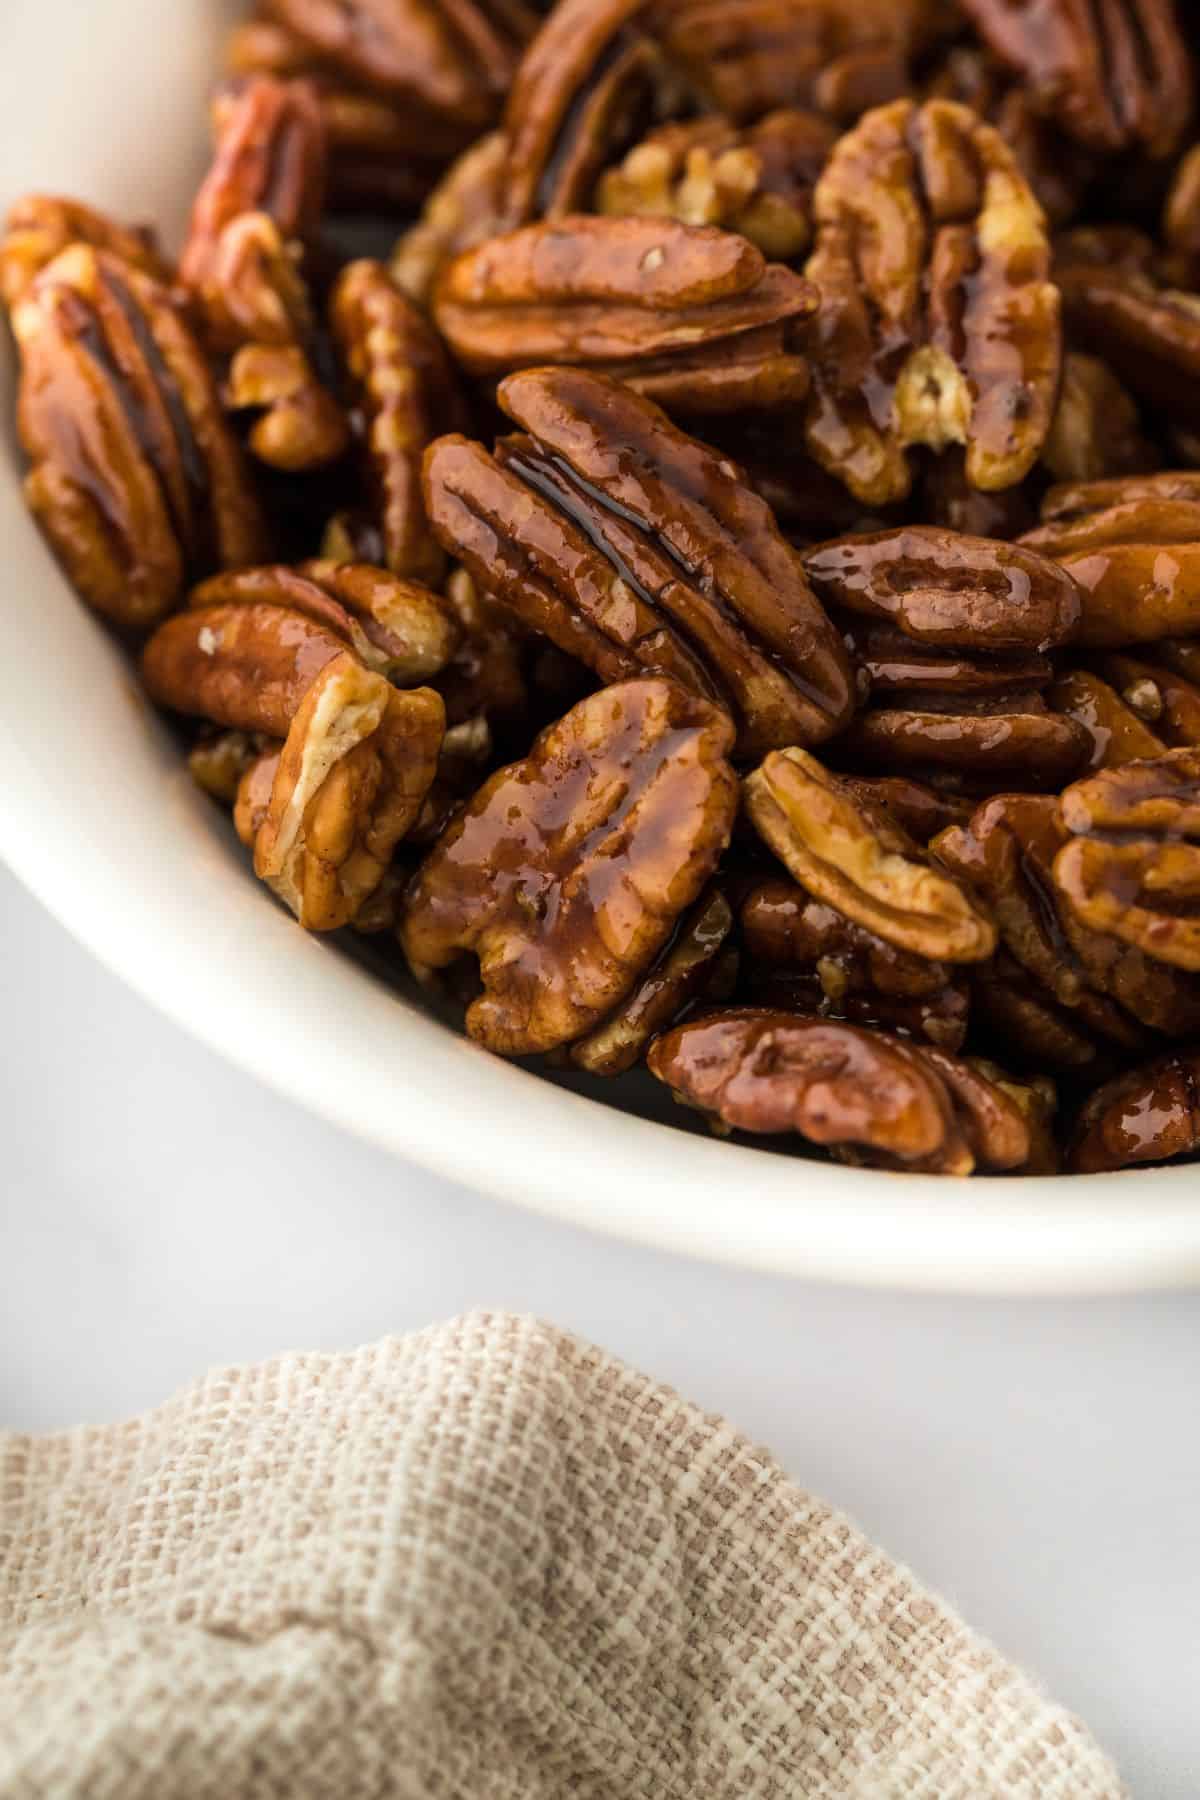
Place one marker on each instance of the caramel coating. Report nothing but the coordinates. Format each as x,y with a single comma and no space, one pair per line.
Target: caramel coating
39,226
1151,1114
566,873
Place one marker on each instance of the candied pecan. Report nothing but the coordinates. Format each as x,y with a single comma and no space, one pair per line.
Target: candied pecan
858,860
259,203
406,395
354,770
38,226
219,761
1156,693
1008,855
634,547
921,811
137,480
999,743
638,297
1130,546
1114,75
1118,735
1034,1029
1148,333
682,969
567,871
1181,222
938,322
758,180
750,56
466,755
1095,431
462,210
245,666
403,630
253,796
838,1085
1150,1114
946,498
486,677
843,971
1131,867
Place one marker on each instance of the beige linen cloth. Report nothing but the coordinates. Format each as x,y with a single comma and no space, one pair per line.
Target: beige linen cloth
483,1562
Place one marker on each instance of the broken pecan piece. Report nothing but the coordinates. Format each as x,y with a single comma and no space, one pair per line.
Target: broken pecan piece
1150,1114
137,480
406,396
634,547
856,859
566,873
938,323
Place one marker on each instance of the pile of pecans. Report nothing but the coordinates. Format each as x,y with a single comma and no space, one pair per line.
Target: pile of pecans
721,589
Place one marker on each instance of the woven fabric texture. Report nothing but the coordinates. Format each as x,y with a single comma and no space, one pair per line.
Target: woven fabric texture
486,1562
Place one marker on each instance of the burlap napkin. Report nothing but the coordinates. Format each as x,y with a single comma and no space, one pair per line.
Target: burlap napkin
486,1561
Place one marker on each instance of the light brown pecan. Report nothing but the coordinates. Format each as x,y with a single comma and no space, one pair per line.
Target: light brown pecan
242,265
856,859
641,298
1147,1115
682,970
39,226
1130,546
757,179
634,547
843,1087
253,795
1181,222
566,873
462,211
1117,733
220,761
136,478
406,395
939,324
242,665
1157,693
1114,75
1131,867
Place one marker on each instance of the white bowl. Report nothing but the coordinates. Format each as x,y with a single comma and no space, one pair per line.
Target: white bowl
100,819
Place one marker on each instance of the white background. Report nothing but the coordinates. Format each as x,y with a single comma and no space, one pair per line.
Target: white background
1038,1462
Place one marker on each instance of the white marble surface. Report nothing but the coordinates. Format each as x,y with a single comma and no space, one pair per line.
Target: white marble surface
1039,1462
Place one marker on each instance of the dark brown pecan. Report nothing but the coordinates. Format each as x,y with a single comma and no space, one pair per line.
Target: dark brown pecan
567,872
1130,546
634,547
843,971
921,811
1181,222
946,498
939,324
1095,432
1114,75
682,970
1148,333
242,267
757,179
840,1086
39,226
1147,1115
1035,1031
1117,733
406,396
136,480
749,56
1131,867
858,860
642,298
487,675
1008,855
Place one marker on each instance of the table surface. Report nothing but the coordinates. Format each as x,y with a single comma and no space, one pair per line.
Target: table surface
1036,1461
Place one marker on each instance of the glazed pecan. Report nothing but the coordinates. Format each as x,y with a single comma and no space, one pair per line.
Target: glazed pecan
667,307
136,478
757,180
633,547
253,795
1131,867
858,860
919,810
220,761
1150,1114
1147,332
39,226
840,970
1114,75
1130,546
461,212
1117,732
938,322
1181,223
1158,694
749,56
682,970
406,396
840,1086
567,872
1095,432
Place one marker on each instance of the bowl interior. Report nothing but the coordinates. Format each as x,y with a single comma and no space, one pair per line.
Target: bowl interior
100,819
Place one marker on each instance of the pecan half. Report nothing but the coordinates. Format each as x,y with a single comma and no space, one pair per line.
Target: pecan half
406,396
1095,432
857,860
136,478
567,871
462,211
921,811
1117,733
1147,332
1151,1114
938,324
757,180
838,1085
634,547
220,761
39,226
1114,75
642,298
